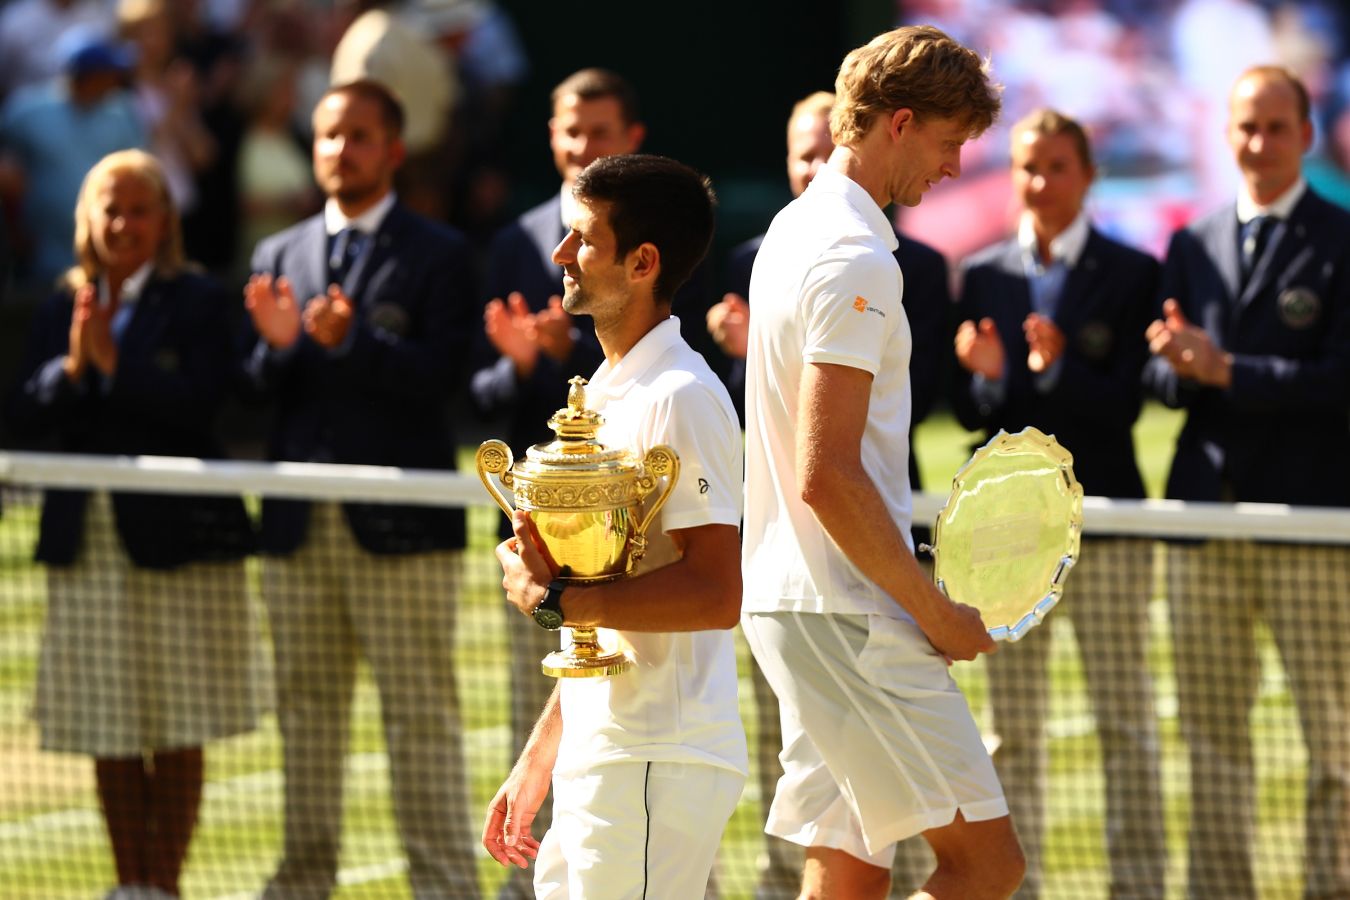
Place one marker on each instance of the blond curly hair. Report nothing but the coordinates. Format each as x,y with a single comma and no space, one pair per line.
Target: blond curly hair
917,67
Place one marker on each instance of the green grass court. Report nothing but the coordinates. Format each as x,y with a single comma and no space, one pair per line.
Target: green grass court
52,844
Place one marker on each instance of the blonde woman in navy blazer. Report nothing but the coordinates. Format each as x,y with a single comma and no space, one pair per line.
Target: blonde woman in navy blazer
1053,336
149,643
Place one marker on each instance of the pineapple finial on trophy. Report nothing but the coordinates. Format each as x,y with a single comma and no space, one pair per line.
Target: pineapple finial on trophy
576,394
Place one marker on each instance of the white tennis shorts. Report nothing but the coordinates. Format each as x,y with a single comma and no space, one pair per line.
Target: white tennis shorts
878,741
632,830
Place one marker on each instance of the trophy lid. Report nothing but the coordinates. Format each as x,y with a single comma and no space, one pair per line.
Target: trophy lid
575,450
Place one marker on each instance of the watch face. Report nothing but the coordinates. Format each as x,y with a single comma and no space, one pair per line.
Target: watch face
548,618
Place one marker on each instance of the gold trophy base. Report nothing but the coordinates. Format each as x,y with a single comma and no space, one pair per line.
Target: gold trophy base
585,658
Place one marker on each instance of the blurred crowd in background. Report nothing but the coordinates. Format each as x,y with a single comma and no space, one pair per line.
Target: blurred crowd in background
1149,80
221,92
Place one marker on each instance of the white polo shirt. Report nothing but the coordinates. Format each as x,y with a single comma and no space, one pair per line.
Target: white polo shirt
678,703
825,289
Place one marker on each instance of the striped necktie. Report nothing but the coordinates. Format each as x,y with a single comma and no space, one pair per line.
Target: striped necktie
1254,236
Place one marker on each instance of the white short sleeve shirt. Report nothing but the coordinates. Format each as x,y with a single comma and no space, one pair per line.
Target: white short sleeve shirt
678,702
825,289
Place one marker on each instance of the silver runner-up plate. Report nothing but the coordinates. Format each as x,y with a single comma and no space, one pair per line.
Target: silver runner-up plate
1010,531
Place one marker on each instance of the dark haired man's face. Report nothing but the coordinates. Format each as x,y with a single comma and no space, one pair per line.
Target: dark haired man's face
354,154
582,131
595,279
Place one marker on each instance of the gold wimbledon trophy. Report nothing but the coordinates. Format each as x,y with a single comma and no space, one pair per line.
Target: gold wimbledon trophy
585,501
1010,531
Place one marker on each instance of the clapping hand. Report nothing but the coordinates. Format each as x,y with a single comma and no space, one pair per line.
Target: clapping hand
271,304
551,328
1045,342
77,353
979,349
90,338
1188,349
327,318
510,327
729,324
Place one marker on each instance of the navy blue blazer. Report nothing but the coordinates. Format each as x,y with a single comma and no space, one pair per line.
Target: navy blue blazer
928,305
520,259
1104,307
1278,434
173,370
383,396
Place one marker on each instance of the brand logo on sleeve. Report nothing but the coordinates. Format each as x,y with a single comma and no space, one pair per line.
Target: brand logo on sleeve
860,304
703,486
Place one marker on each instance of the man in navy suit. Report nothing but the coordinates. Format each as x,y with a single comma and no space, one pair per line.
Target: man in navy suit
927,304
362,315
1053,337
1253,341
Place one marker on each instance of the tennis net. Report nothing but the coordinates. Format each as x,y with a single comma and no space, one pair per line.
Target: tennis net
1120,760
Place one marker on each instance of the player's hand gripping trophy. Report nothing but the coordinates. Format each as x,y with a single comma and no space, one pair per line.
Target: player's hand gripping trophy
585,501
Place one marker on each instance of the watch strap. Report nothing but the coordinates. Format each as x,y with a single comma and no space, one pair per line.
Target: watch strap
548,614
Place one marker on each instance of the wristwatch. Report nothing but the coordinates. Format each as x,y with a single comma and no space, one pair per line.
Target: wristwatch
548,614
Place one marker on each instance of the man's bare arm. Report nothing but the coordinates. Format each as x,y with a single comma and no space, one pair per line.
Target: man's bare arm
506,832
831,417
699,591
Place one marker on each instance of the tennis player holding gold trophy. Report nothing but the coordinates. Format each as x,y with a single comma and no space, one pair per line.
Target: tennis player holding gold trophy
586,501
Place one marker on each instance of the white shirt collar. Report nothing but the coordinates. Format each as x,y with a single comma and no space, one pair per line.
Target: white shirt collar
613,381
1281,208
132,286
334,219
1066,247
835,182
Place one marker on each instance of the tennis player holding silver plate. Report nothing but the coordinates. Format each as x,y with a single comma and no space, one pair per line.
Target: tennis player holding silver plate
1010,531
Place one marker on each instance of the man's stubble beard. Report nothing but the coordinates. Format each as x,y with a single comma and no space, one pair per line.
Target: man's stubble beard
356,194
574,301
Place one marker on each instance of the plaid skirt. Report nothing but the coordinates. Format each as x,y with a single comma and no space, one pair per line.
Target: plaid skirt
137,660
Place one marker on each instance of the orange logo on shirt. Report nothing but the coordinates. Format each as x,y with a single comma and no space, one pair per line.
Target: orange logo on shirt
860,304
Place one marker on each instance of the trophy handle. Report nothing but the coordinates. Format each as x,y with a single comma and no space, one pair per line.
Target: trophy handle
660,460
494,458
